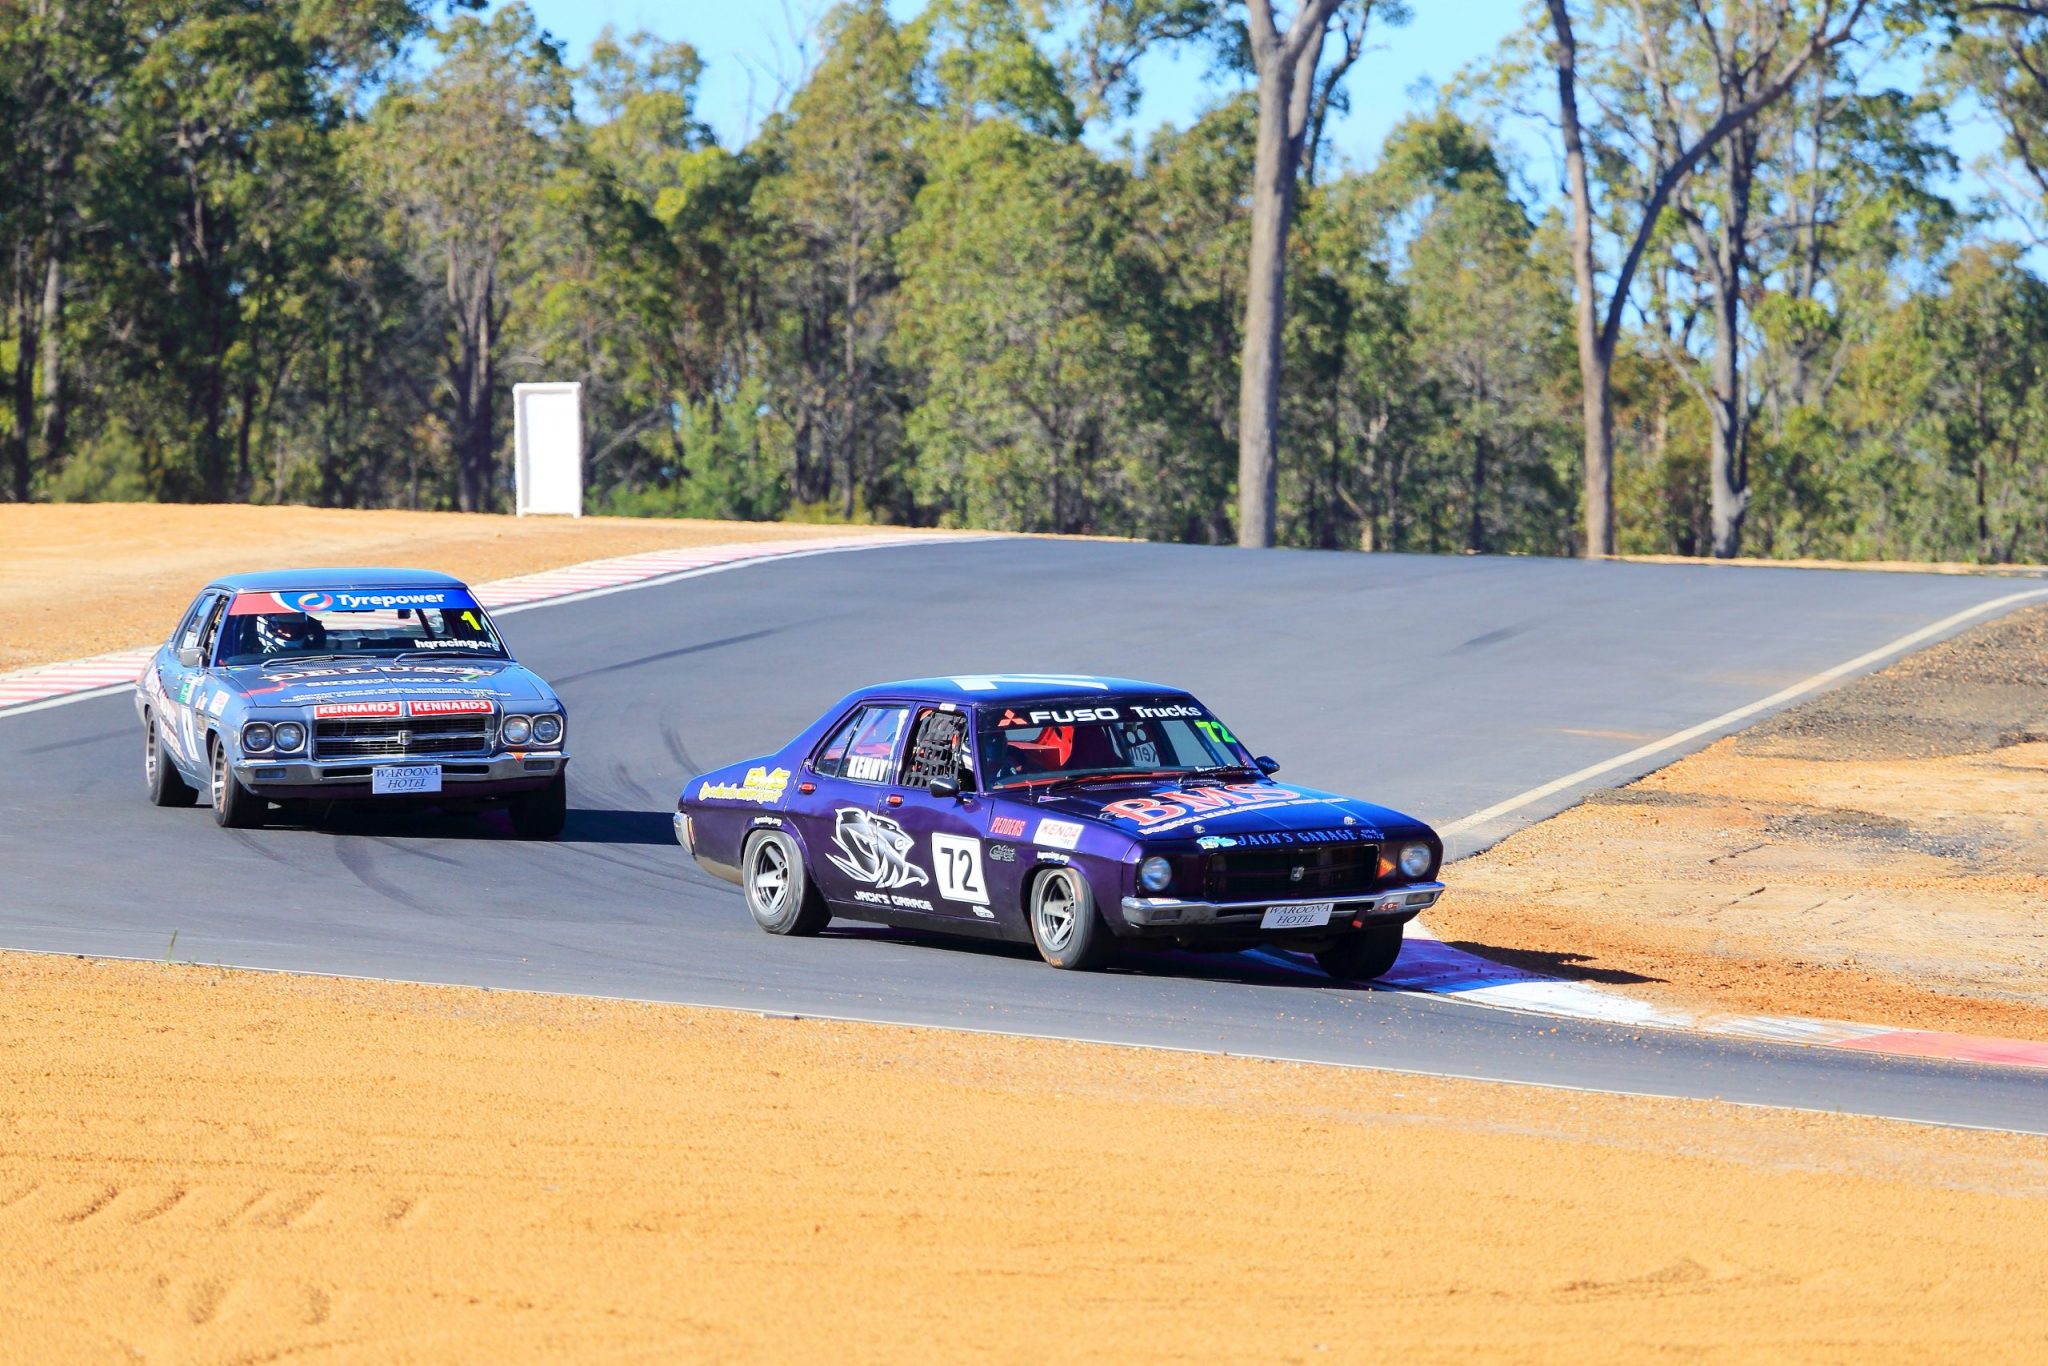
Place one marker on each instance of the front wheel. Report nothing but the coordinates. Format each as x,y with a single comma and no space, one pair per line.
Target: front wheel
1363,956
541,813
160,777
780,893
1064,925
234,806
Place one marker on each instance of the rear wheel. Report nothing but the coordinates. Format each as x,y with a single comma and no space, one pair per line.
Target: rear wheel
234,806
1064,925
541,813
780,893
1363,956
165,785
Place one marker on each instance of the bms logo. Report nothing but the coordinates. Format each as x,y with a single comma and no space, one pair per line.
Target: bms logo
310,602
874,849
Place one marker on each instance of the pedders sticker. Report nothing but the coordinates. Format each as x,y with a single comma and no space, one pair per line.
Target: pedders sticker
347,709
460,706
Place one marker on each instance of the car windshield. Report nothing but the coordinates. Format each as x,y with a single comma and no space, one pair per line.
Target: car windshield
366,623
1051,742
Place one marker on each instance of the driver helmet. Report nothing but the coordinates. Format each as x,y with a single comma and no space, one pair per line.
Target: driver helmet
283,633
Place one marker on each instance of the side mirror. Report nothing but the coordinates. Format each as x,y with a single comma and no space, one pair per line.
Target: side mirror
944,787
188,655
1267,763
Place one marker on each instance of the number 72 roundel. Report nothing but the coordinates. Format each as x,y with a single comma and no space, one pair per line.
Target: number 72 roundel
957,860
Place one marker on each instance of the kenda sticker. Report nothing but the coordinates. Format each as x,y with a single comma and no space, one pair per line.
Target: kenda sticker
1058,834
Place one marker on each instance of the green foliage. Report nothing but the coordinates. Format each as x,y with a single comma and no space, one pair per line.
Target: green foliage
249,251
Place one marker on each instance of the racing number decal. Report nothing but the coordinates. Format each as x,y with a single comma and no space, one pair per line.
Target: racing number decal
1218,732
958,860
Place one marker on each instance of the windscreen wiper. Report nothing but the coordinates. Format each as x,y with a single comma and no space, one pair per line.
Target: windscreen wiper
445,654
303,659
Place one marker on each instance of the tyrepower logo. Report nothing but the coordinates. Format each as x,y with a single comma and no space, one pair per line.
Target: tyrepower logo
347,709
471,706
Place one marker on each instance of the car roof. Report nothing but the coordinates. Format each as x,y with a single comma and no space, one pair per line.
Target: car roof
1007,689
290,580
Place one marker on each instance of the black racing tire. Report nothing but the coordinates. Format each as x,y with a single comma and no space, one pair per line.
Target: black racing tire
160,777
234,807
541,813
1064,926
780,894
1363,956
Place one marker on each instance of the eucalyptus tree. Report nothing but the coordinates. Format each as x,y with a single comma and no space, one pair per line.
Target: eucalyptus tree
463,157
1675,84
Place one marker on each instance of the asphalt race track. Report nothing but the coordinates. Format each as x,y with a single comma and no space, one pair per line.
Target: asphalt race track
1441,686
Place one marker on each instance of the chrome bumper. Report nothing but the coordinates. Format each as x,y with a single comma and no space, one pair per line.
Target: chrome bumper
1390,904
456,770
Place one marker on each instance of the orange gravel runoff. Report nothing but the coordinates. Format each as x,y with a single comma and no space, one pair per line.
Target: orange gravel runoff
1877,854
85,578
209,1165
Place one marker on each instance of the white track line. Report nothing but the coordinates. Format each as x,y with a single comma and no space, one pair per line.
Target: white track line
1729,718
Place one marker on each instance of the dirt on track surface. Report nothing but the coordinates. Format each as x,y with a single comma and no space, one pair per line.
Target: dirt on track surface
1879,854
85,578
207,1165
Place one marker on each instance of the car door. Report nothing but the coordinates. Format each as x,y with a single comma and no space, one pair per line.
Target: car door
860,855
185,685
946,829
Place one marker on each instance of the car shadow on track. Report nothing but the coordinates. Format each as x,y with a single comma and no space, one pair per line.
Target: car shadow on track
1572,967
1255,967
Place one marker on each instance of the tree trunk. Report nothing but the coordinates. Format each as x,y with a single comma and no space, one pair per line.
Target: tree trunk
1728,455
21,390
1596,359
56,423
1287,71
1258,388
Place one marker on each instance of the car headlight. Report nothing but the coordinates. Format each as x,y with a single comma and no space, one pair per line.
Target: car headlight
516,730
547,730
1415,859
256,736
288,736
1155,873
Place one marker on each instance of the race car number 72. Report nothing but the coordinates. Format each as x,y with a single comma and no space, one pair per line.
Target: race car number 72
958,860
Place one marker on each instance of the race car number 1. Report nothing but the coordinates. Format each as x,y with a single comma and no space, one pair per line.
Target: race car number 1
958,860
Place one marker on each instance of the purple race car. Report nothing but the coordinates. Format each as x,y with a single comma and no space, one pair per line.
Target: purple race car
1076,814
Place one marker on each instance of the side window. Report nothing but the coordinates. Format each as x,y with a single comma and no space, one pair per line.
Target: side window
938,749
187,632
211,631
832,757
872,756
864,749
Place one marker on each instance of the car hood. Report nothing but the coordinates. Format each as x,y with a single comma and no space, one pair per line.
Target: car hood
1167,810
501,681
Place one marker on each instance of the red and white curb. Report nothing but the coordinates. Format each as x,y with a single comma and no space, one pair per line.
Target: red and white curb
1429,965
75,680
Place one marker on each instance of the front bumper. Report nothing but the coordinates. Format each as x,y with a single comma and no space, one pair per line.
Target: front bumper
1385,906
348,779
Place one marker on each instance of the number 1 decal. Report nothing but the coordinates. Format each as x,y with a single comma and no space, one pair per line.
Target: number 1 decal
958,861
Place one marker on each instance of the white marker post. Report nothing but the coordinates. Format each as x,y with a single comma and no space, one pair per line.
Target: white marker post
547,445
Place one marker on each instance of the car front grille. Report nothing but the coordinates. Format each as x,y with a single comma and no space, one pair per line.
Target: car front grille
401,737
1291,873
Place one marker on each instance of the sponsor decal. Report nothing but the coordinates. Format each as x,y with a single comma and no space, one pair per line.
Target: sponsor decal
908,903
762,784
1011,720
186,689
455,706
217,704
1058,834
1165,810
1002,853
1266,839
441,643
985,913
1011,827
958,860
772,821
867,768
342,600
1165,713
874,849
1061,859
346,709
